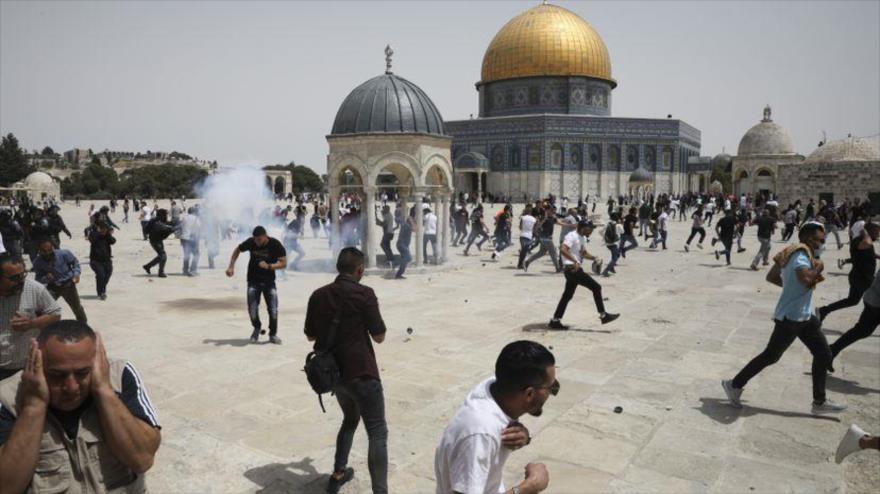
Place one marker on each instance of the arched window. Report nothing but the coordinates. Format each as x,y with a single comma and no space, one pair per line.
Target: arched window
595,155
667,157
650,156
556,156
614,156
534,156
515,162
497,157
632,156
576,157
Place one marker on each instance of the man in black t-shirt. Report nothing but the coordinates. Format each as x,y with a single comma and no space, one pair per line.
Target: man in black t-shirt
629,224
766,226
725,229
267,256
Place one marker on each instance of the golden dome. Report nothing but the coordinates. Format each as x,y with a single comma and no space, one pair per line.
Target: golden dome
546,41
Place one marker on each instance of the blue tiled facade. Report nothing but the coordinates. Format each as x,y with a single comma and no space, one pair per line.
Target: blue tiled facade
579,143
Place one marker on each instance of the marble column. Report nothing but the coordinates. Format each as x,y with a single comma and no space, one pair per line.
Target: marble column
333,216
420,229
369,232
479,186
444,242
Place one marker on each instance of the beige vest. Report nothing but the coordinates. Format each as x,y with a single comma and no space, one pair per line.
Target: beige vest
84,465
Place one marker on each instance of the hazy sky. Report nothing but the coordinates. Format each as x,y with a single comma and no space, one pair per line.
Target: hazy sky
261,82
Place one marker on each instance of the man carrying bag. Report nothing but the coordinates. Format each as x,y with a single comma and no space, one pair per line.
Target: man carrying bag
343,317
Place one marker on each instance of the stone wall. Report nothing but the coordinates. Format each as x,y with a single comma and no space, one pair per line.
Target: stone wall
844,179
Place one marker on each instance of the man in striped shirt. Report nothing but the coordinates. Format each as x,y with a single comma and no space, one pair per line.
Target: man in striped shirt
25,308
73,408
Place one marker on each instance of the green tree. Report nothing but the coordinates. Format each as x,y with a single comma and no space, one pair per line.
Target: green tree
304,178
95,182
13,164
722,174
47,151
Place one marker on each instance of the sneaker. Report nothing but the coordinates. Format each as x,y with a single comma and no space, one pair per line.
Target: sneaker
608,317
494,255
732,393
334,484
526,267
274,340
753,267
740,250
162,275
146,268
849,443
557,324
255,336
714,241
840,264
717,256
827,407
399,277
700,245
102,296
606,274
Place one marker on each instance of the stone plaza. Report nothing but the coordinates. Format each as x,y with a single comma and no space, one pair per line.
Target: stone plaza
239,417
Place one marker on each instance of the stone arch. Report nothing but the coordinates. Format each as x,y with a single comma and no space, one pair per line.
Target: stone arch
437,172
280,185
402,165
614,155
764,180
347,163
666,156
556,155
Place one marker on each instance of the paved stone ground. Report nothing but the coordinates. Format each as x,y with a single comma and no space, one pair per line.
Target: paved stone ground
241,418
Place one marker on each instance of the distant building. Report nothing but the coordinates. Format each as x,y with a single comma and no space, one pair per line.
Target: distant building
76,156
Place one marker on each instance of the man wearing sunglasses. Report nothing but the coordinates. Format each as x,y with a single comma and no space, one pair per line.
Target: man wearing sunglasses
481,435
800,269
25,308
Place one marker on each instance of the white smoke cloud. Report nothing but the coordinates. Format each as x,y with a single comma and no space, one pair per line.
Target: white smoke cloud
238,195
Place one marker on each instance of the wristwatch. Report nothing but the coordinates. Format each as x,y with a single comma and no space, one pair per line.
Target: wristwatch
516,489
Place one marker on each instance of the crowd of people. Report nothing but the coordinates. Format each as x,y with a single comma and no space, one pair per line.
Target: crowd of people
64,402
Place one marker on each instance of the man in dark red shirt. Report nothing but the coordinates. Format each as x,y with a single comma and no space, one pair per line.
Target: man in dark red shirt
360,391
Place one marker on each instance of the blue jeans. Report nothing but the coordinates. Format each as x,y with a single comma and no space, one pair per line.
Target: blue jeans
190,255
362,398
615,254
405,257
624,239
270,295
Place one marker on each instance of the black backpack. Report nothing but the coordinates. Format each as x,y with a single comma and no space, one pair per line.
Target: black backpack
321,368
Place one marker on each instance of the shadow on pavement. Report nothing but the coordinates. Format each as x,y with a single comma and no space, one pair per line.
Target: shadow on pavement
232,342
845,386
206,304
705,265
720,411
543,327
296,476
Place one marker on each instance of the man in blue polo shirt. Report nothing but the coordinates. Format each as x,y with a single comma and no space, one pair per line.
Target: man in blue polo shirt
801,271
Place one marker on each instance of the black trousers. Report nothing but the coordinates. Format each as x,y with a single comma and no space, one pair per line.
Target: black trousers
359,399
573,279
103,271
857,288
161,257
784,334
694,232
868,322
386,246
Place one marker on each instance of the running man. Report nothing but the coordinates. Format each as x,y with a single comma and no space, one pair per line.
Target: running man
574,252
799,270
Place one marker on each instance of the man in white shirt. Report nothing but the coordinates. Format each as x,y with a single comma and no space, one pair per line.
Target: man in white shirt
188,228
574,251
429,222
526,234
484,430
662,230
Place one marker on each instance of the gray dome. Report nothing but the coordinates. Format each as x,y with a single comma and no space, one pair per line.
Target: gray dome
722,159
849,149
388,104
641,175
766,138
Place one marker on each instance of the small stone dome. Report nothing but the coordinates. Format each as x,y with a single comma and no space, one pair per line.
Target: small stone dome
766,139
641,175
38,180
716,187
388,104
722,159
849,149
